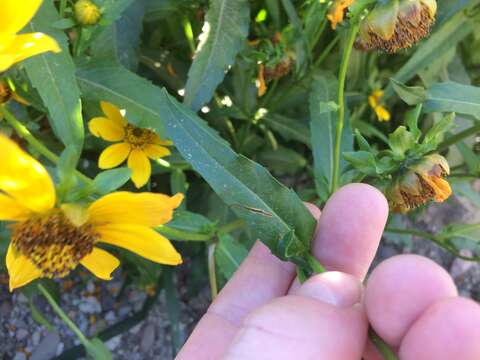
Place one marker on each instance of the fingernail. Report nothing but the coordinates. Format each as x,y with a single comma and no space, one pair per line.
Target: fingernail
334,288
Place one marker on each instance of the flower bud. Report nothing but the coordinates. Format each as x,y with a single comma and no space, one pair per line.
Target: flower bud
423,181
86,12
396,24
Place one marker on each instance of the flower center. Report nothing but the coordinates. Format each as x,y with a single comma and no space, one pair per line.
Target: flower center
138,137
53,243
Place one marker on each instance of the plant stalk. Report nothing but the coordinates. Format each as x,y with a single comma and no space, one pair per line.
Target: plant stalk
341,104
459,137
212,273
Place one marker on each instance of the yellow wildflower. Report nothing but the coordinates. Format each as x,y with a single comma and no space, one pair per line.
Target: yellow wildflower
337,11
86,12
380,110
137,144
422,182
14,15
48,240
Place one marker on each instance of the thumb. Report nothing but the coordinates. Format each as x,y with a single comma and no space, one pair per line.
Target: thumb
321,319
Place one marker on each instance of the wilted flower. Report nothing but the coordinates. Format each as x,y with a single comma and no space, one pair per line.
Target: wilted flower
49,240
422,182
137,144
86,12
337,12
374,102
396,24
14,15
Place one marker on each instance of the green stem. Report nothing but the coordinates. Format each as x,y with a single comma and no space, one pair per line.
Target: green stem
25,134
316,266
459,137
177,234
61,314
381,346
212,273
326,52
413,232
234,225
188,31
341,104
62,7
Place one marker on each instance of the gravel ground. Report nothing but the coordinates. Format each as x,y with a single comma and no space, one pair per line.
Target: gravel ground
95,305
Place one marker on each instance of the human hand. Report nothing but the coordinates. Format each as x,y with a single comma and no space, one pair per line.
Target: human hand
412,303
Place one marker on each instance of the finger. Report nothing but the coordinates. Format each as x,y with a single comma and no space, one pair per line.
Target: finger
322,321
400,289
449,329
350,229
260,278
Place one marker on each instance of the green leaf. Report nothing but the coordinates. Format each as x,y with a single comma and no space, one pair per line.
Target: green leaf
229,254
191,222
97,350
443,39
412,95
288,128
53,75
401,140
453,97
438,130
471,159
110,180
270,209
323,119
113,83
282,161
363,161
161,9
224,33
120,40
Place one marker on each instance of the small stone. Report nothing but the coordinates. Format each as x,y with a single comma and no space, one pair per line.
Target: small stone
136,329
5,308
60,348
148,338
22,298
47,348
110,317
124,311
36,338
20,356
90,305
91,287
113,343
21,334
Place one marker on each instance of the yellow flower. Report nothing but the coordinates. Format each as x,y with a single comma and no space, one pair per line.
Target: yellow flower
374,102
337,11
422,182
49,240
14,15
86,12
137,144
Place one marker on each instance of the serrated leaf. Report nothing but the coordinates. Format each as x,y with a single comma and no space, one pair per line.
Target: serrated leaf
229,254
224,33
53,75
120,40
270,209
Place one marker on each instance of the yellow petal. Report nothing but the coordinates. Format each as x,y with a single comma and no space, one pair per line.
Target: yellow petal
24,178
27,45
146,209
113,155
141,240
155,152
16,14
382,113
10,210
107,129
113,113
139,163
100,263
20,269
